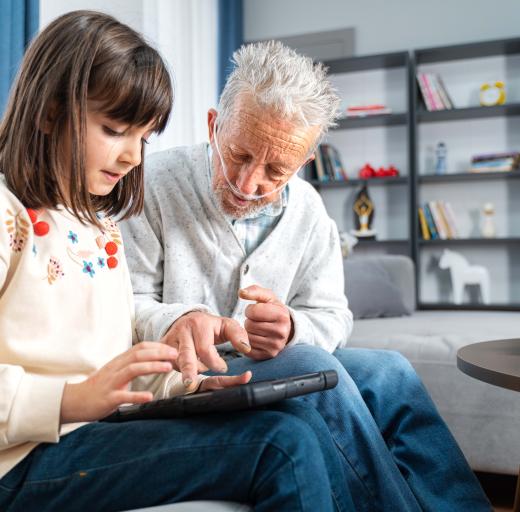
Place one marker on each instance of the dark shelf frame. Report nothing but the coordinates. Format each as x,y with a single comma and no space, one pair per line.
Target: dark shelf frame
468,51
411,119
349,123
468,176
398,180
471,241
367,63
396,241
499,306
457,114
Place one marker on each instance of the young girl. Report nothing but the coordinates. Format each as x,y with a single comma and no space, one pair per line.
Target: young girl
89,94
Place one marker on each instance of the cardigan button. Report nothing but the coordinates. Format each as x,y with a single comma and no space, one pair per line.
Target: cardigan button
246,269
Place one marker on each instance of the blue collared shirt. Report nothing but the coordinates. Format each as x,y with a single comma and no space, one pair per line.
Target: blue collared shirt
252,231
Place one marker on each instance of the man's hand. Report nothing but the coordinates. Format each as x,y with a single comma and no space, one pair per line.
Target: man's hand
268,322
224,381
195,335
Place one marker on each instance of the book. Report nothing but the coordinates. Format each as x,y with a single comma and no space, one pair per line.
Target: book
327,163
437,219
338,164
429,221
444,219
427,100
320,169
446,99
431,82
423,225
451,219
367,110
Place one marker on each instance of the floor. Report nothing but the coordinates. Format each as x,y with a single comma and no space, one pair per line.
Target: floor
500,490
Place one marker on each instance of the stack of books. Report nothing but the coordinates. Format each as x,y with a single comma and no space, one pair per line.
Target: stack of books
367,110
433,91
495,162
326,166
437,220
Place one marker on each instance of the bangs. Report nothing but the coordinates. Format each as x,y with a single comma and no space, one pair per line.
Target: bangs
136,91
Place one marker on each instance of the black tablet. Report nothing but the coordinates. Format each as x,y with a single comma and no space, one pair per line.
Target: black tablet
237,398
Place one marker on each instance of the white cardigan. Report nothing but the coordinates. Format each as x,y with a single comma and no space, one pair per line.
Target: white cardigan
184,255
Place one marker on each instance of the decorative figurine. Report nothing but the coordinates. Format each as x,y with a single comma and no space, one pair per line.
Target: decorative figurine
366,172
462,274
488,229
363,215
440,158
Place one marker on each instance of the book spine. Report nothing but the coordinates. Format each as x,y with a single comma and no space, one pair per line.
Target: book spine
444,92
320,171
426,97
338,165
429,221
424,226
438,220
430,80
444,219
327,164
452,219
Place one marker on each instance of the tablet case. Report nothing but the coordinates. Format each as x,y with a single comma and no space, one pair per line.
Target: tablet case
246,396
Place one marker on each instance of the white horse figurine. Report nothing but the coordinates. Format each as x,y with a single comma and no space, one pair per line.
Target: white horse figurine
462,273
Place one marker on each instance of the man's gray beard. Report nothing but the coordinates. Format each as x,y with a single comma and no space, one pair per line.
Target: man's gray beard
252,209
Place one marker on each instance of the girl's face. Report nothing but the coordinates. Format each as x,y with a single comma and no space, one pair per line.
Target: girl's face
113,149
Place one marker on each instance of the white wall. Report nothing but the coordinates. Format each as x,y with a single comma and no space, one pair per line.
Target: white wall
185,33
386,25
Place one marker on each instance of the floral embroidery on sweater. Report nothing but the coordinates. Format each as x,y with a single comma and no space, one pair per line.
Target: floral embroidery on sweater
18,229
54,270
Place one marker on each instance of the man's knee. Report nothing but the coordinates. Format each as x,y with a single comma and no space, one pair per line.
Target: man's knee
309,359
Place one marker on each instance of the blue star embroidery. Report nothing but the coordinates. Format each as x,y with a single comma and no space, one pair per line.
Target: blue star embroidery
73,237
35,252
88,268
101,262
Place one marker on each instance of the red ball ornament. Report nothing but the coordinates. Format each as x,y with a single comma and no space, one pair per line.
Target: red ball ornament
41,228
111,248
32,215
112,262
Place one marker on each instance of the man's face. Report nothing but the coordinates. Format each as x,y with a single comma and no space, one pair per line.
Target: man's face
260,151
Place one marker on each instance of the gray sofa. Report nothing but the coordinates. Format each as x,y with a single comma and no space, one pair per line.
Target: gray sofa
484,419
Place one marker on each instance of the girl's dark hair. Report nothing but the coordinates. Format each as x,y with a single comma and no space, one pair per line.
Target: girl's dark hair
80,56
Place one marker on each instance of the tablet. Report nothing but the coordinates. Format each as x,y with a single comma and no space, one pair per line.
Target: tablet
246,396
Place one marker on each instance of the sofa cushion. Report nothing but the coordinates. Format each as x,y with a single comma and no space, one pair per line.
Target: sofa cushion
371,290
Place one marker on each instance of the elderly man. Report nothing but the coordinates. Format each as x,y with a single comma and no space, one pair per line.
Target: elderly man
231,236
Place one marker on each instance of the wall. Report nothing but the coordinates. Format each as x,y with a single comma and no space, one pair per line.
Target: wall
385,26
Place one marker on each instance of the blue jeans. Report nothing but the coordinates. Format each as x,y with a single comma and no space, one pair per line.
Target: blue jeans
271,459
397,452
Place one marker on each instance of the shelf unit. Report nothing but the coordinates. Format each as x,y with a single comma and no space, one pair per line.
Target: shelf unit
397,64
463,184
415,120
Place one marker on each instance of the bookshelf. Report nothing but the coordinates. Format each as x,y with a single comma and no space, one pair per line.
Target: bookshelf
402,137
468,129
380,140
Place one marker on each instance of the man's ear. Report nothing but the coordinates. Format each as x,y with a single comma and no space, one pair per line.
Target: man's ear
212,117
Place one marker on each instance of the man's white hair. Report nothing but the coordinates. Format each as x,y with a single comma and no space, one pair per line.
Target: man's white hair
278,78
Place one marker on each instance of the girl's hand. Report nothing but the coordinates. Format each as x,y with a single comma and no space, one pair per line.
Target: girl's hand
221,382
106,389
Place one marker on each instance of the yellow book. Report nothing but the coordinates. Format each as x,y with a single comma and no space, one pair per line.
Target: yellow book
424,226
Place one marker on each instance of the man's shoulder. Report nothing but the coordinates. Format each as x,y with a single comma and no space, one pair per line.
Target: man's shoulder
174,163
305,196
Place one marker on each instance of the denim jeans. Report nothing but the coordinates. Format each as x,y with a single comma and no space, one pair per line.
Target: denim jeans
397,452
271,459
